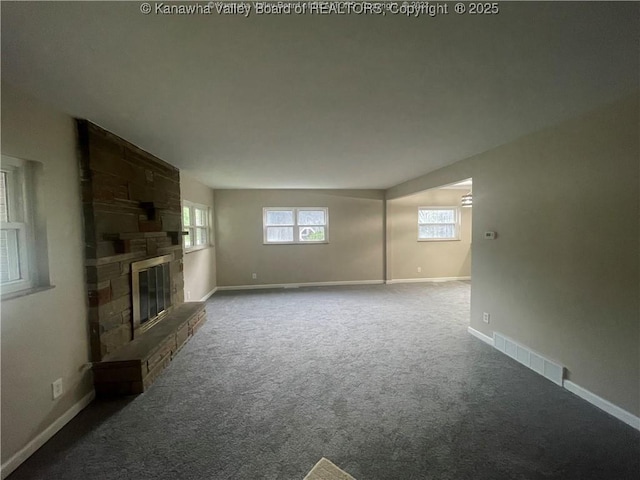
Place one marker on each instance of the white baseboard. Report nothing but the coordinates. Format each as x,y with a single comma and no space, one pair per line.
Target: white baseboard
605,405
628,418
206,297
421,280
296,285
480,335
29,449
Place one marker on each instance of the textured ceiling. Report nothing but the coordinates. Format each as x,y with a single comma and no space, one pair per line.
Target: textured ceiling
331,101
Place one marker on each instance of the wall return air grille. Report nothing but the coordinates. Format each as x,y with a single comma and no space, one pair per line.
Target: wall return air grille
536,362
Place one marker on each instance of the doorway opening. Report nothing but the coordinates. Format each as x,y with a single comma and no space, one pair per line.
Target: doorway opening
430,235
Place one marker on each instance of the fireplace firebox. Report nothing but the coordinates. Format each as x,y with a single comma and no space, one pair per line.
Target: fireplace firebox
151,292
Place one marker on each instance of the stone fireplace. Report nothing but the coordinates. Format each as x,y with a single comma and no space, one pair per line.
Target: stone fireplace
133,259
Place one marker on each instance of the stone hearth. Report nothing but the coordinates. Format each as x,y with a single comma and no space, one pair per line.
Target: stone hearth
134,367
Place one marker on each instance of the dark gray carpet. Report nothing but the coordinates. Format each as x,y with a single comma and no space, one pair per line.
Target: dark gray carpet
384,381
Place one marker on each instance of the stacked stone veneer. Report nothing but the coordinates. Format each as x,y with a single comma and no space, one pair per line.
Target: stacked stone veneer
131,206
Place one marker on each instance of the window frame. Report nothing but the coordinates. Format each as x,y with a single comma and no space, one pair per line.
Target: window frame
192,228
455,223
296,226
19,191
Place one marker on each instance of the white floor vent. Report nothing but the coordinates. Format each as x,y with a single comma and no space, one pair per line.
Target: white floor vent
529,358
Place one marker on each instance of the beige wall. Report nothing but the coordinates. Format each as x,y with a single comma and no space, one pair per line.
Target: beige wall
435,259
562,276
45,334
200,265
354,251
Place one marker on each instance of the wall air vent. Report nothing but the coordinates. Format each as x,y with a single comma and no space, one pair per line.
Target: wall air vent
536,362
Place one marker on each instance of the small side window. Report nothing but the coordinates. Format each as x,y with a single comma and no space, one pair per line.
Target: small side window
21,264
196,223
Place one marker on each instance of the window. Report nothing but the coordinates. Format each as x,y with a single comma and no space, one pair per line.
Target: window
195,220
438,223
295,225
17,242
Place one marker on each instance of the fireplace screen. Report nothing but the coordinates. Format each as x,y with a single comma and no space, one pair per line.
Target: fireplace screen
151,281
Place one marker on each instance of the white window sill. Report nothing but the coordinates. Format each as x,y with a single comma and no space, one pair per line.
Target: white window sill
295,243
25,292
197,249
438,239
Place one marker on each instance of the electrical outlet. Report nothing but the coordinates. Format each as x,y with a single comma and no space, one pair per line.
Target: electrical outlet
254,276
56,388
188,295
486,317
419,269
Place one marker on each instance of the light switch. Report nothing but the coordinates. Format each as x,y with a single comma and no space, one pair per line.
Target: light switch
490,235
